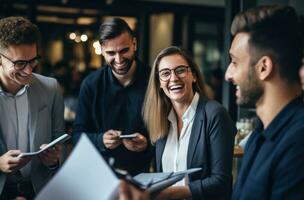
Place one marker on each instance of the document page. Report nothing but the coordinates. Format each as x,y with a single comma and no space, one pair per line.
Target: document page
84,176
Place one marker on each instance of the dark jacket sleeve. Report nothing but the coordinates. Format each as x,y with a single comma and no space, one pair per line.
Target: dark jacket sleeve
84,121
219,132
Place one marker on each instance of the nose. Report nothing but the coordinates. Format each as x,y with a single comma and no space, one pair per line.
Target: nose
28,69
228,74
118,58
173,76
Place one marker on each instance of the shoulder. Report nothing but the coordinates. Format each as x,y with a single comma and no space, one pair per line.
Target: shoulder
144,68
296,128
92,79
214,113
44,87
44,81
295,125
212,107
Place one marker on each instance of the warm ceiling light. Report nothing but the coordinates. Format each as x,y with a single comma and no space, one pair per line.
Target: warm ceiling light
77,39
96,45
98,51
54,19
72,36
84,37
86,20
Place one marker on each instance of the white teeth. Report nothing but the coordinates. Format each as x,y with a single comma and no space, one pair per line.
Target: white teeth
175,87
237,87
23,75
121,64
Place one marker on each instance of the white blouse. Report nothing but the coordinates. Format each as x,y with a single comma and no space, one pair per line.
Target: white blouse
174,157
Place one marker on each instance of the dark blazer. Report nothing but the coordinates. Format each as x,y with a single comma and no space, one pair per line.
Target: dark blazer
211,148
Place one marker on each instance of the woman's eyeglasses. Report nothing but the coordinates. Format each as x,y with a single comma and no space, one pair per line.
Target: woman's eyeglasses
180,71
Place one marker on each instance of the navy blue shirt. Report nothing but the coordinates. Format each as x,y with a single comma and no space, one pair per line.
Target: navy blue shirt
273,163
105,104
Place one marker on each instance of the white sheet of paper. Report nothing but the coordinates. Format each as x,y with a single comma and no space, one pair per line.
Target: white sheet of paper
85,175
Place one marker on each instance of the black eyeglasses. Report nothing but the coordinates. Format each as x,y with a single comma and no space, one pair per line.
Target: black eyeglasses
21,64
180,71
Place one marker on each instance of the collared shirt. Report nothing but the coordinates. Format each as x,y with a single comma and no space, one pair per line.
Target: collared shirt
175,153
106,104
273,163
14,126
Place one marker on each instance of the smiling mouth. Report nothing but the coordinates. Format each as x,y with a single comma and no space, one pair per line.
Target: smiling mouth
237,91
121,66
23,75
176,87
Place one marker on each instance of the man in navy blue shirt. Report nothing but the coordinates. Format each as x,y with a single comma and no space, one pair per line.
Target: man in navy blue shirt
265,59
110,101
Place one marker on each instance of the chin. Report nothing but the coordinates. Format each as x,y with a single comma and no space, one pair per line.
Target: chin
178,99
245,104
23,82
122,72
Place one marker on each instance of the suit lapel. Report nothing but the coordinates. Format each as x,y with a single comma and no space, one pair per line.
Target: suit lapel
196,131
34,105
159,152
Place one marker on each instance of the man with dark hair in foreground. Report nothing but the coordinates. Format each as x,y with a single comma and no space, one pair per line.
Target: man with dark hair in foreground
265,59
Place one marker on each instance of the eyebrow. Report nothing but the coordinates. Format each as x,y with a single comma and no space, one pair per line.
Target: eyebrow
174,67
36,57
14,61
119,51
232,56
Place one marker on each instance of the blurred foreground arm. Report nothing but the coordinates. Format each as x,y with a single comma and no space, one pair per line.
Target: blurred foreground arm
128,192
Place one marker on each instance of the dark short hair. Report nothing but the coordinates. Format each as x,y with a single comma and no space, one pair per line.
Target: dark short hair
112,28
274,30
17,31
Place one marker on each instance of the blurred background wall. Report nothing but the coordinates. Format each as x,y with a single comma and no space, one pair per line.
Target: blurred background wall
69,28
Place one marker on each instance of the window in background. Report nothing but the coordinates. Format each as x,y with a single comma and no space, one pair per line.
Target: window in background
207,52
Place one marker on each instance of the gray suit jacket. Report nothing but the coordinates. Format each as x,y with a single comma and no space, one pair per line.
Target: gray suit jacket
45,124
211,148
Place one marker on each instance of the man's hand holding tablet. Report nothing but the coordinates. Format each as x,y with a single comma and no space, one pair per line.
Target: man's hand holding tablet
59,140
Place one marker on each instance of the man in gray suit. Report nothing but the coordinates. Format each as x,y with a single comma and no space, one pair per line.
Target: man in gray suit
31,108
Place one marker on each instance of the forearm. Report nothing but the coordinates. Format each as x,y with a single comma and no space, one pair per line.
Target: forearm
96,139
175,192
215,186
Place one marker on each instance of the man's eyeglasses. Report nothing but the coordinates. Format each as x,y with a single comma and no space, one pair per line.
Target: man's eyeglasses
21,64
180,71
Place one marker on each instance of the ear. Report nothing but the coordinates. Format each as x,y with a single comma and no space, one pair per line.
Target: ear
265,67
194,77
102,51
135,43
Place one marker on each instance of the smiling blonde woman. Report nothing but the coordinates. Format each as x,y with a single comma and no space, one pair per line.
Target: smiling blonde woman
188,129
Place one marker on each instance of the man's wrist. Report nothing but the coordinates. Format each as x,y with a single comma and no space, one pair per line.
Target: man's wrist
54,167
